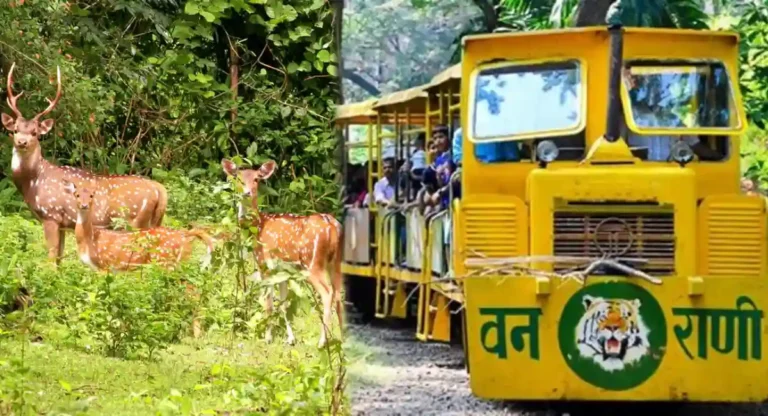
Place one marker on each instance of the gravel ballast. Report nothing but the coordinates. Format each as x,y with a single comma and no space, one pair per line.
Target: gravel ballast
392,374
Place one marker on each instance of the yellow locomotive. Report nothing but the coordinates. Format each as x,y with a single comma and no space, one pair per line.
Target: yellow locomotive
609,255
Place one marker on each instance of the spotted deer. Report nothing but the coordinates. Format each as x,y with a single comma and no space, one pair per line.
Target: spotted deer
120,250
312,242
142,202
117,250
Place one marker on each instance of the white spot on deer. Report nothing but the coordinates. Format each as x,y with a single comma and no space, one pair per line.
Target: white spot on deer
144,204
15,161
314,251
86,258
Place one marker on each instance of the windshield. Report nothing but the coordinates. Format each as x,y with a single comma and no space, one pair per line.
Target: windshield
509,100
680,96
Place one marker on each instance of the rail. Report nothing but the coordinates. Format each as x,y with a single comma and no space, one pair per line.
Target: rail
384,267
425,288
456,175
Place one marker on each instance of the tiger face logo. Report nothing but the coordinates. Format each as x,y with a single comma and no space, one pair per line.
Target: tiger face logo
612,333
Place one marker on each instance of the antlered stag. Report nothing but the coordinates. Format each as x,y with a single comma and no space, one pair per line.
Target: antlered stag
313,242
140,201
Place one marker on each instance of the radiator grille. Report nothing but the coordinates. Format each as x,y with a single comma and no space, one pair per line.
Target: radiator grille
649,236
735,239
493,231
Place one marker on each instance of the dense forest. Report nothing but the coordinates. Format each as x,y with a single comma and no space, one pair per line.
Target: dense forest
166,89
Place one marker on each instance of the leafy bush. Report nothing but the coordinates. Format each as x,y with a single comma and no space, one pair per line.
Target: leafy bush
138,315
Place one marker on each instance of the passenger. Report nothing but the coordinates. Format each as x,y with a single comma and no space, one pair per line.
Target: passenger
418,159
357,189
443,166
428,205
384,190
647,112
456,146
384,195
361,198
440,137
400,220
428,183
432,154
402,181
456,154
660,147
748,187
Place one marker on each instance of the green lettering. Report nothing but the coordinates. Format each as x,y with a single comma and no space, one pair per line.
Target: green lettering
683,334
709,321
498,324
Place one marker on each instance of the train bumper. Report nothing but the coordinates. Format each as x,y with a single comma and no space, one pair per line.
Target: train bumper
618,339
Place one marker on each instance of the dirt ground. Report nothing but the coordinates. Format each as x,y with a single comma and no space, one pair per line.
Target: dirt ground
390,374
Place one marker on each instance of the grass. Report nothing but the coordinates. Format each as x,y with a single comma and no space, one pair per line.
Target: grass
201,373
55,358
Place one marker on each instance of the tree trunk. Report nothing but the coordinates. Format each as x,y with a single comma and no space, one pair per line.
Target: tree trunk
338,19
591,12
361,82
490,18
234,78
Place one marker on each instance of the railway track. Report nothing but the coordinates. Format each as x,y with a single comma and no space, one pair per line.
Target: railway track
393,374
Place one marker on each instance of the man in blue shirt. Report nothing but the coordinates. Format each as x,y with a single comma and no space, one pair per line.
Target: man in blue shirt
444,165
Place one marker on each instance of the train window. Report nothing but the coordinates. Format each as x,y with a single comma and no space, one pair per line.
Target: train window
681,96
507,101
679,100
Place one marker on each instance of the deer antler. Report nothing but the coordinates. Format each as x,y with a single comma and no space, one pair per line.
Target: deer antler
13,98
53,103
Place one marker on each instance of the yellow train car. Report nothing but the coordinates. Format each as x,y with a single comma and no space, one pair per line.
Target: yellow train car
611,263
359,247
404,284
601,245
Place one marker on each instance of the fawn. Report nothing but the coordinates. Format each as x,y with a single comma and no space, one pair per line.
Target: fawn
312,241
105,249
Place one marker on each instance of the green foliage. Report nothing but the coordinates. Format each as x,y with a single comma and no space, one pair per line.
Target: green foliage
147,84
148,89
752,24
534,14
142,314
749,20
400,47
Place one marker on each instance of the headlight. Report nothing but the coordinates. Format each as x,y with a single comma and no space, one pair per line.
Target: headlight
681,152
547,151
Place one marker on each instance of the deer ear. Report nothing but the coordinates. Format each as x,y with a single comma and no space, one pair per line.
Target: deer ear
267,169
8,122
229,167
46,126
69,187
